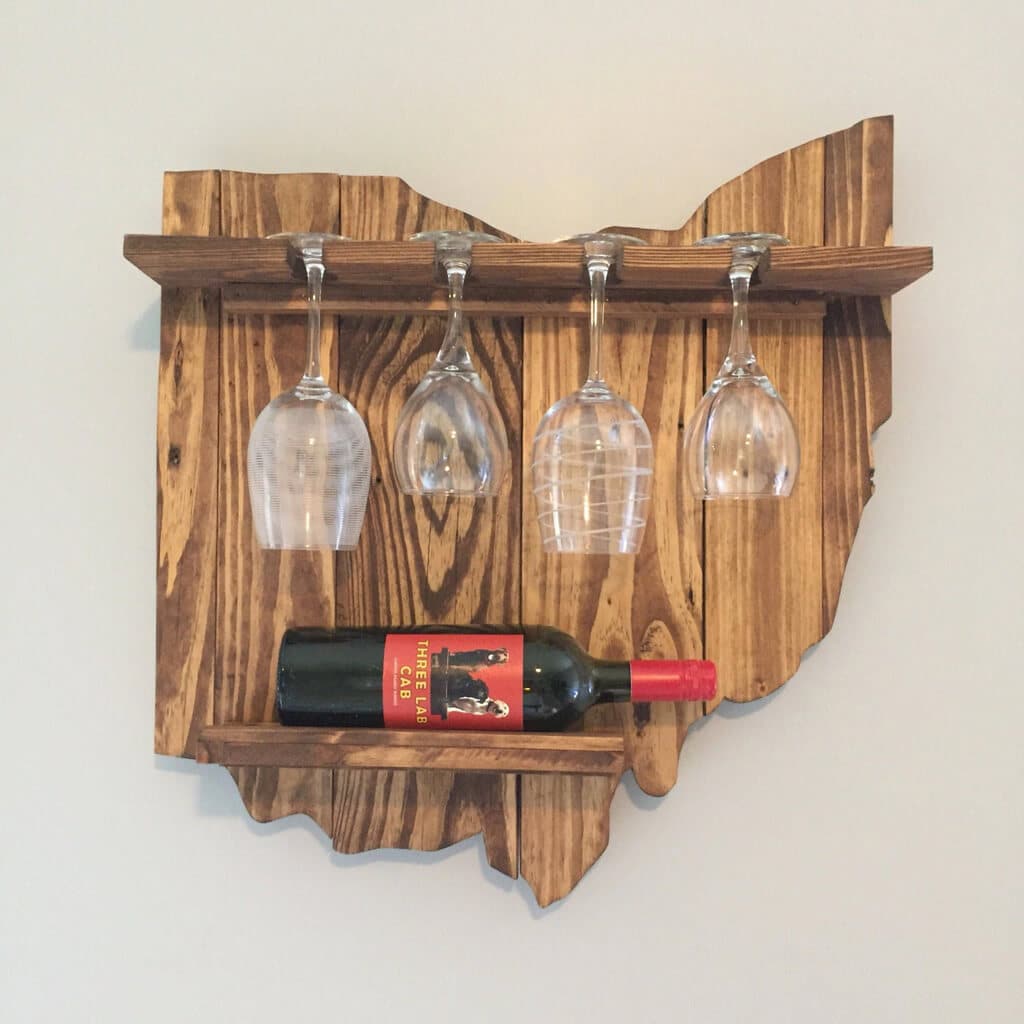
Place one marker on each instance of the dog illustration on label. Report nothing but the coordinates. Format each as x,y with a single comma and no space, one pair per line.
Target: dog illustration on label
453,687
480,658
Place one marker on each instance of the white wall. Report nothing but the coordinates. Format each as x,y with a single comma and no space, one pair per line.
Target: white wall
848,850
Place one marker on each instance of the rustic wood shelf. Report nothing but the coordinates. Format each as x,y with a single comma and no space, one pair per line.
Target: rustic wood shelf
748,585
259,275
280,746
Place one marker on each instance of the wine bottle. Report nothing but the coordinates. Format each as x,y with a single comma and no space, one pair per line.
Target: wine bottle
463,677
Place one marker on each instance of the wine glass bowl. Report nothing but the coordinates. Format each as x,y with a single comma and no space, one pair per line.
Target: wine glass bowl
741,441
309,472
309,451
593,458
450,439
592,466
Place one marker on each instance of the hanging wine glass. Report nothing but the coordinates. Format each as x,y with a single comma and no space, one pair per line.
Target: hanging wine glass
741,441
309,451
450,438
592,453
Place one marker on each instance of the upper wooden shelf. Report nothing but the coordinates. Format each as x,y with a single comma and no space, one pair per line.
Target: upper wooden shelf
518,278
279,746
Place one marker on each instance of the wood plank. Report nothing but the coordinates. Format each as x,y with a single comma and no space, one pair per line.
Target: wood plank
838,270
283,746
186,467
857,270
427,810
857,388
564,825
626,607
623,304
762,559
270,793
260,593
422,560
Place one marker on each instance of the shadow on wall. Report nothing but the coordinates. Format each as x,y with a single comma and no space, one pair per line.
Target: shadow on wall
145,332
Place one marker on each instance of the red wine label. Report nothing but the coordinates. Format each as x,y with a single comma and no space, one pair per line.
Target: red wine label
453,681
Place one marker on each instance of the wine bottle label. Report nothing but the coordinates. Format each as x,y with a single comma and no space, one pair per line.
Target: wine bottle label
453,681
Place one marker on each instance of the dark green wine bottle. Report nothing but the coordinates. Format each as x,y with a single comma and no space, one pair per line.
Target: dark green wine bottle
463,677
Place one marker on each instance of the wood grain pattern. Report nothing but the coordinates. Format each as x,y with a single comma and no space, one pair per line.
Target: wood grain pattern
260,593
623,304
186,467
272,745
270,793
423,560
182,262
749,585
442,547
564,825
427,810
667,611
620,607
857,384
762,562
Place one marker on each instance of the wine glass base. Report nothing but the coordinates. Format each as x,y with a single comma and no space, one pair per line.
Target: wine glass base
308,239
439,237
453,249
756,239
603,236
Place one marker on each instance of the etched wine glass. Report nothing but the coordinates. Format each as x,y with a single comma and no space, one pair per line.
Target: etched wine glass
741,441
592,453
450,438
309,451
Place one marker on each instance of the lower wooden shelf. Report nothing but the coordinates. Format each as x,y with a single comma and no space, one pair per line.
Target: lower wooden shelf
280,746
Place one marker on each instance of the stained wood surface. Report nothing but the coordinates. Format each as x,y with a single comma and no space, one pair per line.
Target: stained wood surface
762,563
420,559
857,371
427,810
270,793
623,304
282,746
186,468
564,824
260,593
424,560
749,585
666,611
622,607
372,259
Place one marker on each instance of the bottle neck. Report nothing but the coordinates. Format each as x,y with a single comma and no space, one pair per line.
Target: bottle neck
612,681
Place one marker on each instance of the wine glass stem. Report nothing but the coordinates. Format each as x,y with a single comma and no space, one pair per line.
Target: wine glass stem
315,280
598,270
453,354
740,356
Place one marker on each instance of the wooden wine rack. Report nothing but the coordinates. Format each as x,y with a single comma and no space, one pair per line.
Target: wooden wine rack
749,585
